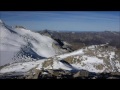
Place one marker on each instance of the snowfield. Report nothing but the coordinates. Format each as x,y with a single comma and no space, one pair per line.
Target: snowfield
78,52
89,64
26,66
21,67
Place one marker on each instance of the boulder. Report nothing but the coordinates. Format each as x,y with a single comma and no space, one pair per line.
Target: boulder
82,73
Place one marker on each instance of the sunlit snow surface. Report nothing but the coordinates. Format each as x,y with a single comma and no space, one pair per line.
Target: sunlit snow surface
78,52
21,67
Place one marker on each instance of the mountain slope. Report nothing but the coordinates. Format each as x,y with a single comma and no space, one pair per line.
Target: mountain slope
20,44
93,59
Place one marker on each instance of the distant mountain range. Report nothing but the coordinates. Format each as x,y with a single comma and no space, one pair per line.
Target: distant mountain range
78,39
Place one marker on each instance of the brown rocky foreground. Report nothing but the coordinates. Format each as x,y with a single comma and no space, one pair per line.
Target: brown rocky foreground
60,74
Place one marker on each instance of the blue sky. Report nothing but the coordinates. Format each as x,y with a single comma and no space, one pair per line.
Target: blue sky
64,20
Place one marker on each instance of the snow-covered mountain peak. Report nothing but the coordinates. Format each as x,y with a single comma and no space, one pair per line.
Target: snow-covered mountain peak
23,44
1,21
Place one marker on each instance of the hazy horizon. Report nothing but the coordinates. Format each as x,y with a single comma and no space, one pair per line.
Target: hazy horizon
64,20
